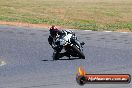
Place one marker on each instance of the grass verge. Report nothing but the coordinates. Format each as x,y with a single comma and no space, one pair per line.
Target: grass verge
94,15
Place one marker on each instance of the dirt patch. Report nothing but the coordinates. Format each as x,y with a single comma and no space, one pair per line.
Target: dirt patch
24,24
123,30
27,24
45,26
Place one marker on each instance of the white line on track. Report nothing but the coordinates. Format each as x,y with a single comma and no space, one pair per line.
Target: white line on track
107,31
2,63
87,30
102,31
123,32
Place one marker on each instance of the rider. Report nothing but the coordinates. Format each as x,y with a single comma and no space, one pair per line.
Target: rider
54,32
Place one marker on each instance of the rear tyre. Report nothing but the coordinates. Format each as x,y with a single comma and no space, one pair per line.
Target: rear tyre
55,56
80,53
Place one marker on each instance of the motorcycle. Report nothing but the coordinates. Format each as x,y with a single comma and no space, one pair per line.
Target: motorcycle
68,41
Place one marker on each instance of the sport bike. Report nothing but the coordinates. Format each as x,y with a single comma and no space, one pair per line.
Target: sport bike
69,42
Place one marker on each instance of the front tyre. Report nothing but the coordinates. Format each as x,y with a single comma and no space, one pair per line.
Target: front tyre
78,51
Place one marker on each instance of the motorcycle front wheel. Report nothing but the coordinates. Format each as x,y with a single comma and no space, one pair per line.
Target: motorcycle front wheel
78,51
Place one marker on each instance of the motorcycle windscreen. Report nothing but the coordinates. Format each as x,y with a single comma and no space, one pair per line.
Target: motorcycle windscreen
65,39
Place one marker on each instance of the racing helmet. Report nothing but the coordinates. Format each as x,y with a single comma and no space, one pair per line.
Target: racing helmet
53,30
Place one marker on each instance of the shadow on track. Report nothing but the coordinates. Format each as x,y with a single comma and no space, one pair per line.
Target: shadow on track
63,59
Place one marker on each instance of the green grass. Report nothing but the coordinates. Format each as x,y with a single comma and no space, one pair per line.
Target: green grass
95,15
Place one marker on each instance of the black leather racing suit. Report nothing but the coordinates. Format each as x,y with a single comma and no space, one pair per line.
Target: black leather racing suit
51,40
58,49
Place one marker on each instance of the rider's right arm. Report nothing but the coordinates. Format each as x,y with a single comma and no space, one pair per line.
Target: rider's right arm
50,40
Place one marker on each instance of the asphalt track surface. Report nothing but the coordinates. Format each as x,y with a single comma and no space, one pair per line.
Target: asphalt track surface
28,62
